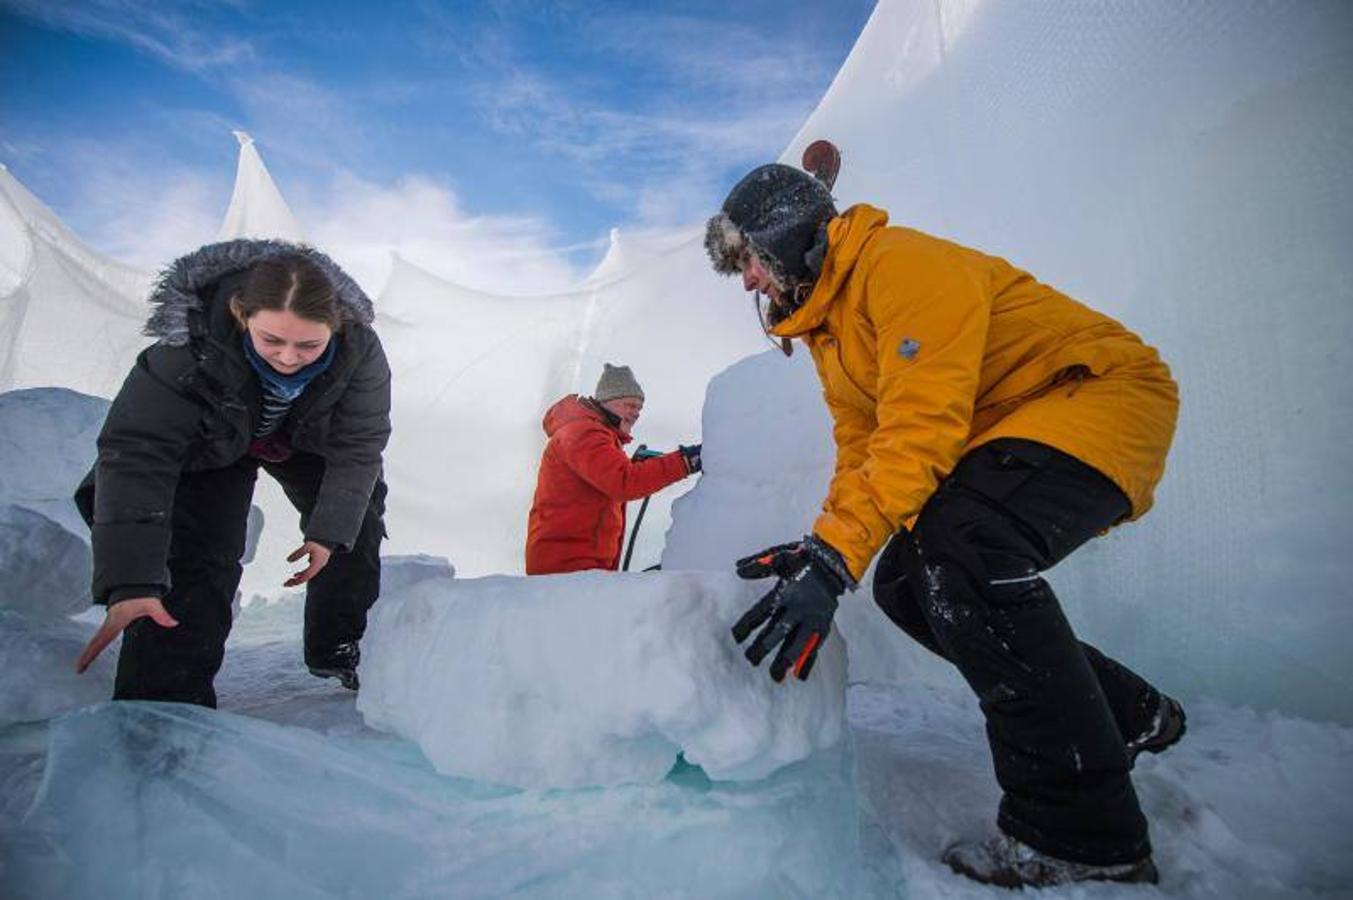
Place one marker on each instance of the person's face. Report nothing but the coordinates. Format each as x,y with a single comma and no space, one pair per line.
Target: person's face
628,409
755,277
286,341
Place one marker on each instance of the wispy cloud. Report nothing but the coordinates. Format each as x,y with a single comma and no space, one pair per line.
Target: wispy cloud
167,31
658,154
142,215
20,151
303,119
146,215
726,59
667,157
423,220
646,113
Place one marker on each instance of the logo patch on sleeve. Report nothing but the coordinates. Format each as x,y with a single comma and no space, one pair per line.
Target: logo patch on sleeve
909,348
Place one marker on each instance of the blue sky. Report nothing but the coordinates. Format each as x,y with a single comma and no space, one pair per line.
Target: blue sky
555,120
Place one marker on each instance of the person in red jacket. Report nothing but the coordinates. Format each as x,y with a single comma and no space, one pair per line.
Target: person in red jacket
577,518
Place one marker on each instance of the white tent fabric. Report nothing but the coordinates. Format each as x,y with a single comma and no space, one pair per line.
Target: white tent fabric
474,374
69,317
627,253
257,209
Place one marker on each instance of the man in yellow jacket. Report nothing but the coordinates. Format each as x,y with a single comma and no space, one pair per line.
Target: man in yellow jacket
986,425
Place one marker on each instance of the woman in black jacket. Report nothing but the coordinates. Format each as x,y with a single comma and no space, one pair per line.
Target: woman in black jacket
265,358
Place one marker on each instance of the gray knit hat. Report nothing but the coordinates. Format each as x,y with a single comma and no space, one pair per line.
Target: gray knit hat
616,381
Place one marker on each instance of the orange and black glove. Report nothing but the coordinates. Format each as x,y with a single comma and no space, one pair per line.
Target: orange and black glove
797,613
784,560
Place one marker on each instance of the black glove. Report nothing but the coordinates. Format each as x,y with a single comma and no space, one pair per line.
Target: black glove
784,560
644,453
797,612
692,454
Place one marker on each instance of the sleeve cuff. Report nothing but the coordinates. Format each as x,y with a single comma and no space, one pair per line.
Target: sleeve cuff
133,591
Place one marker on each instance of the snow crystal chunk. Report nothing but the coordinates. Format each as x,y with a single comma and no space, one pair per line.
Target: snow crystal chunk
590,678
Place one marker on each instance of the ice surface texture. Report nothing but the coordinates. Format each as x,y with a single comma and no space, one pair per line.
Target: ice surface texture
37,668
588,679
44,569
160,800
47,444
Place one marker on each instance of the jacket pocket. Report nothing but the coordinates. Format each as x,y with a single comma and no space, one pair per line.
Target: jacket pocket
998,469
838,378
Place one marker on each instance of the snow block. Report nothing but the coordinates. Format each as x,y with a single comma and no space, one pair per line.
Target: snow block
37,668
749,499
47,444
591,678
45,570
401,572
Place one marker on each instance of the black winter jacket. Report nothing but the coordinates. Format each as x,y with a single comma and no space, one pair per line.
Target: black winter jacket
190,403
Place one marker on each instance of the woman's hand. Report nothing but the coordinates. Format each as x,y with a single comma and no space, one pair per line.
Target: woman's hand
119,616
319,558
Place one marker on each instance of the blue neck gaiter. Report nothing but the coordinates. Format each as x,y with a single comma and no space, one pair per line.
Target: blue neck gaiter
287,387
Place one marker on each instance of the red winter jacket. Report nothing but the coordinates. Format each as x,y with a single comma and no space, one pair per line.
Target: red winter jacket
578,515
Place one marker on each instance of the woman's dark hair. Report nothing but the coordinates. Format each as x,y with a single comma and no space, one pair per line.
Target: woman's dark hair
293,283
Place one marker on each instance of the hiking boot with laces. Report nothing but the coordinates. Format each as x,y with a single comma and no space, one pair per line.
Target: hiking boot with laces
1166,728
340,663
1006,862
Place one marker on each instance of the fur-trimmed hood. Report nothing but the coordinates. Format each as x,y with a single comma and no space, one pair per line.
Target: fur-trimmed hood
178,290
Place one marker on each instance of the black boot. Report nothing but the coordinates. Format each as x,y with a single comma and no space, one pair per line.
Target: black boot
340,663
1166,728
1006,862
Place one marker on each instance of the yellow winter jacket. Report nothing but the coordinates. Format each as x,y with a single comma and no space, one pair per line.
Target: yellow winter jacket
927,349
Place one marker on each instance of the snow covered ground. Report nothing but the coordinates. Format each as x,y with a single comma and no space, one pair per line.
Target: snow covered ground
287,793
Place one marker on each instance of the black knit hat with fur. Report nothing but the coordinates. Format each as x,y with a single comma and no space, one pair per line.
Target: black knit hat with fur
782,213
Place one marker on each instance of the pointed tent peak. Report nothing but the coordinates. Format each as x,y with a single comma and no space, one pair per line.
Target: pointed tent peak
630,251
612,262
412,293
257,208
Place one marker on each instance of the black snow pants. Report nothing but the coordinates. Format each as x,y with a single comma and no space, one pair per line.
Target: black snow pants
210,515
964,582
